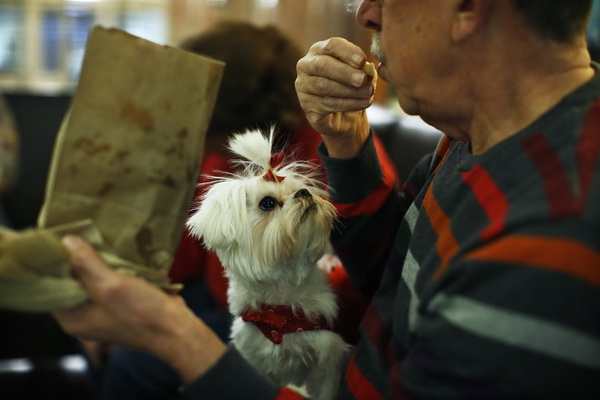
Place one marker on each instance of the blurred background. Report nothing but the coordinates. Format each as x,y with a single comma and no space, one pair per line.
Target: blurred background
42,41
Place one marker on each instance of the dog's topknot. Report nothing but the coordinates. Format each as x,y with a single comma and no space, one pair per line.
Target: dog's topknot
256,159
254,147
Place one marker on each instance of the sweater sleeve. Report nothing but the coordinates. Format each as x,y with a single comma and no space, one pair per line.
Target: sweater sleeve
370,209
234,378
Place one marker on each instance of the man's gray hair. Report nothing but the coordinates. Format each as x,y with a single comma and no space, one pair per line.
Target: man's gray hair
558,20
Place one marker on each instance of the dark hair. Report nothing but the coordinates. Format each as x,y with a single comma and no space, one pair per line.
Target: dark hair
257,89
558,20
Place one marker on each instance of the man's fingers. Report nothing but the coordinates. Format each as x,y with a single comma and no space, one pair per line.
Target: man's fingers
334,87
87,265
325,106
337,71
332,78
339,60
322,95
333,70
321,86
341,49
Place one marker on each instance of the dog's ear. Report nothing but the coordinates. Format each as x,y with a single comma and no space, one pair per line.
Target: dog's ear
219,218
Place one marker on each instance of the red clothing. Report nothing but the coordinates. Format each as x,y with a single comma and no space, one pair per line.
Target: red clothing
192,260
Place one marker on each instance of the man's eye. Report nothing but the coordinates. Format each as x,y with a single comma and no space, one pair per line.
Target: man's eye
267,203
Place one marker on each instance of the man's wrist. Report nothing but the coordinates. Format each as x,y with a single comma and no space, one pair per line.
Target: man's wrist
189,346
350,144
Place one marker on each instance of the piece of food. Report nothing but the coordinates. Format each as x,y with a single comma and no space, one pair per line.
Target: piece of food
369,69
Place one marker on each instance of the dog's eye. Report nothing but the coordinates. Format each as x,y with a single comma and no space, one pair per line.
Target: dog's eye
267,203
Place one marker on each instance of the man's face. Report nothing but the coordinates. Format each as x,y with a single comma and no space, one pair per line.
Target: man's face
410,43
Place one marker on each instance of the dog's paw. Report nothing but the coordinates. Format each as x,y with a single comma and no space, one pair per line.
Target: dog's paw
328,262
301,390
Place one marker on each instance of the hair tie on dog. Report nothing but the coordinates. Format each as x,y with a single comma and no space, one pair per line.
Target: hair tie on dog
275,160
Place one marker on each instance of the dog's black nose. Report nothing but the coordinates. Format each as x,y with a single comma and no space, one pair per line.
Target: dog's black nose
302,193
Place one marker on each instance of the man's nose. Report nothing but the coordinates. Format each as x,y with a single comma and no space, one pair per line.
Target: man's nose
368,14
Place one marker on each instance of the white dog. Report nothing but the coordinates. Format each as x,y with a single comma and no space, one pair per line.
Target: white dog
269,225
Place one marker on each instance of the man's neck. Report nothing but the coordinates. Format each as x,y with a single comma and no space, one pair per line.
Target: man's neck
498,113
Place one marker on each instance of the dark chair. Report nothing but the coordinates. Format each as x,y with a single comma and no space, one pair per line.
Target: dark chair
38,120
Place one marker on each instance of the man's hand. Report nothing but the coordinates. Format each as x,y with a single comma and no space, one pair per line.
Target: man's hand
334,89
129,311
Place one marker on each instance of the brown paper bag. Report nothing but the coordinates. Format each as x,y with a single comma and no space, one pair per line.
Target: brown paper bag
128,154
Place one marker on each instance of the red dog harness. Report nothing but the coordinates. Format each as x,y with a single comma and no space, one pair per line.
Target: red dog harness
276,321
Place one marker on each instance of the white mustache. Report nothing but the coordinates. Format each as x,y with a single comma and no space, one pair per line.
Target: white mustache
376,49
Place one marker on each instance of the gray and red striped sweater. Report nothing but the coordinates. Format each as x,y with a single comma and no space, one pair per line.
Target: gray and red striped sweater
483,271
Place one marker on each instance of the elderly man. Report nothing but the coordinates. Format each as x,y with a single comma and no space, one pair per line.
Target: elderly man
484,272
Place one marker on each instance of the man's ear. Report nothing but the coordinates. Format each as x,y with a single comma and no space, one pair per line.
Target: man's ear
470,16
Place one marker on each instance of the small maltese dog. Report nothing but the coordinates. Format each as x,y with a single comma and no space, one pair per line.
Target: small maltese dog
269,225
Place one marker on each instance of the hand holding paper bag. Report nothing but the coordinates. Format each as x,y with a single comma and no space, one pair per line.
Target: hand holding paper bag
125,162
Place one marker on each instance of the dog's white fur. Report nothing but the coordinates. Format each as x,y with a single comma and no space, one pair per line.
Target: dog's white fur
270,258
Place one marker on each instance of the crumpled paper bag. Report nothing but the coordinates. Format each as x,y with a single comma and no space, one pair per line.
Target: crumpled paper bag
123,172
34,268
